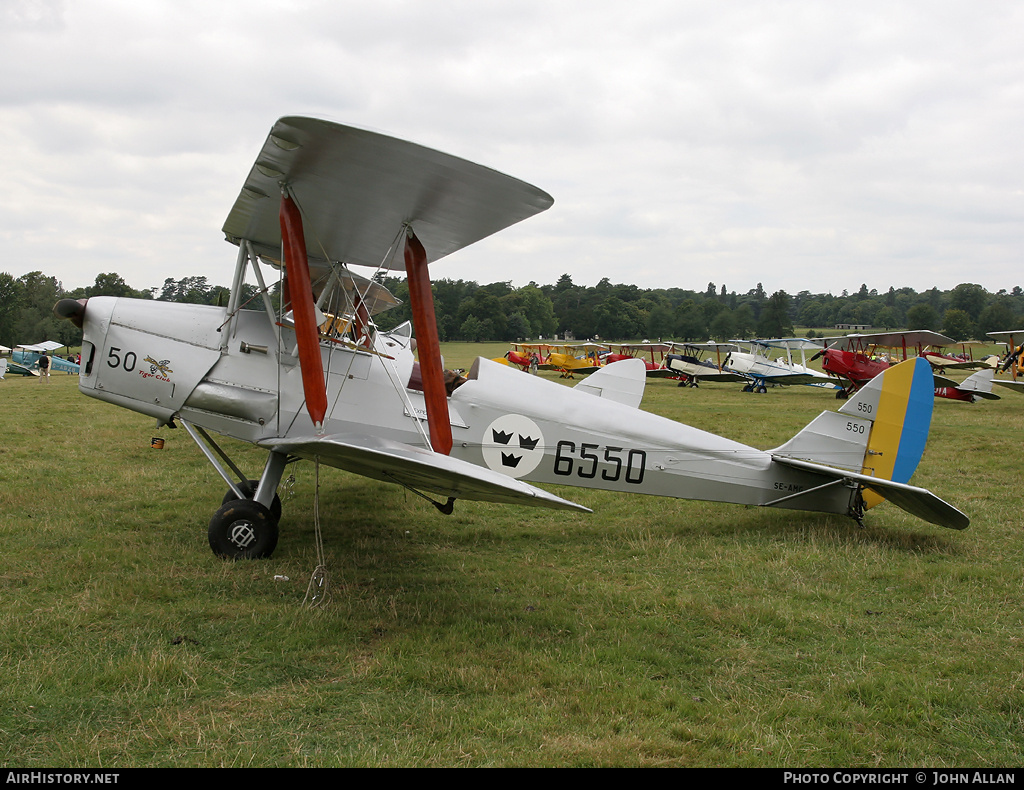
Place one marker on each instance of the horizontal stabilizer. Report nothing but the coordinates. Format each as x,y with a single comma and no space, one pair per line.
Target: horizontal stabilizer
919,502
945,381
417,468
622,382
979,385
1009,384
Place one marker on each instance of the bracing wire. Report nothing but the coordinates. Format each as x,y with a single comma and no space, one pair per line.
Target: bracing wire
318,591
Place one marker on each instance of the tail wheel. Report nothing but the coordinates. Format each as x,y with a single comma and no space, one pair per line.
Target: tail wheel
243,530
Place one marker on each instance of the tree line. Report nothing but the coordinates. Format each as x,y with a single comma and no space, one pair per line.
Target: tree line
498,311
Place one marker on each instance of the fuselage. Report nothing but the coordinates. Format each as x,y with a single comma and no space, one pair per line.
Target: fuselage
239,376
851,365
760,366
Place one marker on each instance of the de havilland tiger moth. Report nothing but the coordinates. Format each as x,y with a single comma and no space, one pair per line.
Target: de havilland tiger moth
315,380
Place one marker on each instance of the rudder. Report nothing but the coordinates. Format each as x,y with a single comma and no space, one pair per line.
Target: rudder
901,400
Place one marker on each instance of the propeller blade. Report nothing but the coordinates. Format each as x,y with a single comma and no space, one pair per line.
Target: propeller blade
424,323
307,334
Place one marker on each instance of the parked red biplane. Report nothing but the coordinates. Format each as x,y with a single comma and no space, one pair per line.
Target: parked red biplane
859,358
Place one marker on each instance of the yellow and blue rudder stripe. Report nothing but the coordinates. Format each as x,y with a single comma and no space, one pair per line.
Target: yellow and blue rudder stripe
901,422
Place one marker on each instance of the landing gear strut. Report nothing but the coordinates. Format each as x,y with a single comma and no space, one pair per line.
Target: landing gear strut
246,524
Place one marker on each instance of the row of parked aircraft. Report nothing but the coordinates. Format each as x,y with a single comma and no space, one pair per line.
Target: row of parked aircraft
848,362
315,380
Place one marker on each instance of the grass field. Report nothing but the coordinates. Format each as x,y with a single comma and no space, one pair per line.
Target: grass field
653,632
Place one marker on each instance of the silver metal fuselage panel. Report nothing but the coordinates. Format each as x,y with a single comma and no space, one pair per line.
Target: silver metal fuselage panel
190,361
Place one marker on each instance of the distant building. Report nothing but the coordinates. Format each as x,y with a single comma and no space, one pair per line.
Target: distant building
855,327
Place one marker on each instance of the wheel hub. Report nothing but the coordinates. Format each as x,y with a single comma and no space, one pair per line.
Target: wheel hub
242,534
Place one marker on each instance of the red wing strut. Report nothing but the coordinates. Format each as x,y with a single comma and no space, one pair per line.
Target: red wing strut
307,334
424,323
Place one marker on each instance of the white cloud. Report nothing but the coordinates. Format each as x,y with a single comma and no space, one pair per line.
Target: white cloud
804,145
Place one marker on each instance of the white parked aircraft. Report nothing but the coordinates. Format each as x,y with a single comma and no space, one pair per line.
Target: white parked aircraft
314,380
763,365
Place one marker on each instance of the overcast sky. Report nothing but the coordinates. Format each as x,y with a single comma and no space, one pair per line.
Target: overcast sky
803,145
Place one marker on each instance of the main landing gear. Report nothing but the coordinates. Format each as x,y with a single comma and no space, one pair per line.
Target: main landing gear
246,524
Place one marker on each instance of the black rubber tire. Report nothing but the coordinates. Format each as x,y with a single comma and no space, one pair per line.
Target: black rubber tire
243,530
249,489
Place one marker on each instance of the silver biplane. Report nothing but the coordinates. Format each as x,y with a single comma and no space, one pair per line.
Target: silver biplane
758,365
688,361
313,379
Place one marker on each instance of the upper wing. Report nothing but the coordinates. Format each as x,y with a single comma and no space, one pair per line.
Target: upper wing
395,462
356,189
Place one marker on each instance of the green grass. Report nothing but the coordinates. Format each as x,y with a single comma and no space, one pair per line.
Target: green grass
652,632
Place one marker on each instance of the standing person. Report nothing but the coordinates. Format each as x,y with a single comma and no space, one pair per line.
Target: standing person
44,368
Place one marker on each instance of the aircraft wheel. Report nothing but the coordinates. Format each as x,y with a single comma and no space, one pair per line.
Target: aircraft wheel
761,390
749,388
842,395
249,489
243,530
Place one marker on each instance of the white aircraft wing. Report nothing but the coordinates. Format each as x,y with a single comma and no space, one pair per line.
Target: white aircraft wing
356,189
420,469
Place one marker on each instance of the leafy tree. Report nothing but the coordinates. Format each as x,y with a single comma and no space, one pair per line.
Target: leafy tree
10,307
472,329
970,298
923,316
518,327
997,317
537,308
660,321
775,321
617,320
885,318
723,326
744,319
690,324
957,324
35,320
112,284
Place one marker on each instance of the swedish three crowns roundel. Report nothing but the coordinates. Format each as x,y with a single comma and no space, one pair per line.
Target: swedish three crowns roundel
513,445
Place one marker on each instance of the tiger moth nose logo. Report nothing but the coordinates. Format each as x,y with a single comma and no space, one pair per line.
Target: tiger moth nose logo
513,445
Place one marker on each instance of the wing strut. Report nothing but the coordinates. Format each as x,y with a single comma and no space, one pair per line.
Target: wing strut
424,322
307,335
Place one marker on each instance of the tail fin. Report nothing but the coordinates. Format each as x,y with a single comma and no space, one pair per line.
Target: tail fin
979,385
880,431
621,381
901,400
878,436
